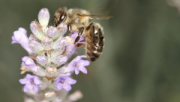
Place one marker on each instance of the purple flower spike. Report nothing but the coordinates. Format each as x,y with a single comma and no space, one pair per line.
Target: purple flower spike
20,36
64,82
49,60
79,65
32,83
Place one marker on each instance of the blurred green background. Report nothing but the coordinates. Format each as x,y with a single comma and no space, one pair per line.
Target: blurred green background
141,58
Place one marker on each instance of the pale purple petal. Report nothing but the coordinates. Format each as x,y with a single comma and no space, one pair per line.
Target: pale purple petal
83,56
52,32
35,89
31,83
23,30
59,43
79,64
67,87
73,35
60,60
36,46
70,47
28,76
70,50
71,81
42,60
59,87
32,37
25,89
57,52
37,81
20,36
28,87
83,69
47,44
28,61
22,81
84,63
64,82
76,71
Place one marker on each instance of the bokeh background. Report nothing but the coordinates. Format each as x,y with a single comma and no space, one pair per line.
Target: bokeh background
141,58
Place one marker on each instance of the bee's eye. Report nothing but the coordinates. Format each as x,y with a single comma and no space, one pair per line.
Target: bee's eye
95,40
62,17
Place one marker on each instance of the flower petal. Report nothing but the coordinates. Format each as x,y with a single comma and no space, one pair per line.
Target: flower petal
71,81
59,60
83,69
20,36
52,32
28,61
58,87
28,87
29,76
36,46
22,81
37,81
35,89
42,60
67,87
76,71
25,89
83,63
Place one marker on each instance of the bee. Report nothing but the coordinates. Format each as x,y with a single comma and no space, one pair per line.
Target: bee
79,20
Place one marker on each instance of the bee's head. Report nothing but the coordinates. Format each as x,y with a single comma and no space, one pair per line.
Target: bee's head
60,16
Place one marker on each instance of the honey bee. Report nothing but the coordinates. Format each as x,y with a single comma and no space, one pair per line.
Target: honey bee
79,20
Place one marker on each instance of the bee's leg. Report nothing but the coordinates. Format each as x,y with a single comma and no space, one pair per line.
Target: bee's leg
69,26
79,35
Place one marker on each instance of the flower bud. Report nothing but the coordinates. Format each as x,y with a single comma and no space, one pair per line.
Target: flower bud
36,46
44,17
37,30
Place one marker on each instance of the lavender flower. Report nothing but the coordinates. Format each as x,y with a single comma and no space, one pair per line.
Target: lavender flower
21,38
64,82
32,83
79,65
49,53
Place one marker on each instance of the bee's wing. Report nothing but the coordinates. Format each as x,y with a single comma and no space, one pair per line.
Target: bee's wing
95,16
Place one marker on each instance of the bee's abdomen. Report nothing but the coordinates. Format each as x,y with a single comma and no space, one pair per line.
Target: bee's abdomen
93,51
92,54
